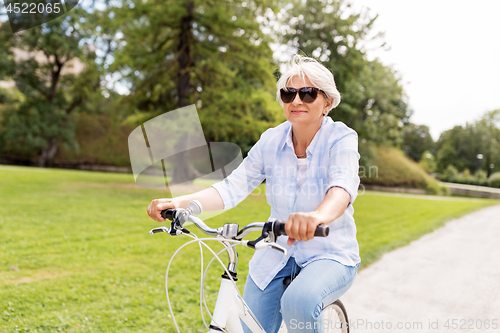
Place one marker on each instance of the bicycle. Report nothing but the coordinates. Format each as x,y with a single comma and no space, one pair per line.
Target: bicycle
230,306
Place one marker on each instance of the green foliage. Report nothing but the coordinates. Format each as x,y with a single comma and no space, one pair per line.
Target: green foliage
383,112
450,174
482,177
391,168
211,54
460,146
51,88
368,152
6,57
214,54
417,140
103,142
428,162
373,101
10,99
83,260
494,180
29,128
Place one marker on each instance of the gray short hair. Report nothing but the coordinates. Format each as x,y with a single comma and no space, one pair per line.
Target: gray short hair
318,74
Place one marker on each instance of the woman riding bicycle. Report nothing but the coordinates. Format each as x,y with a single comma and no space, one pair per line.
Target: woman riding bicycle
310,164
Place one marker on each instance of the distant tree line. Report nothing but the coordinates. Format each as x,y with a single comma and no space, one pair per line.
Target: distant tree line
467,154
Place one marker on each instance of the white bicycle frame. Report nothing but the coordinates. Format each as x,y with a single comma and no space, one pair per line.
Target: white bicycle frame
229,309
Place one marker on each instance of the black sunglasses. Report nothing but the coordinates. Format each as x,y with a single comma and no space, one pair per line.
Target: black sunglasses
306,94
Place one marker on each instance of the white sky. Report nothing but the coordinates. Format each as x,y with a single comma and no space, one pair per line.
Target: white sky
448,54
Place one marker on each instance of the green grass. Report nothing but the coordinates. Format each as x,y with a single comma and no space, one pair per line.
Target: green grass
76,256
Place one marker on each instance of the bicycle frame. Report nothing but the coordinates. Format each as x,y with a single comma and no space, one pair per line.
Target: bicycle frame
230,307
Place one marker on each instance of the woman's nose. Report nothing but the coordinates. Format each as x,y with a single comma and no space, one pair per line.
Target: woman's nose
296,99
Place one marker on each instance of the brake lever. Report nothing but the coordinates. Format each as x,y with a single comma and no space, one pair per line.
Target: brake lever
279,248
171,231
157,230
262,244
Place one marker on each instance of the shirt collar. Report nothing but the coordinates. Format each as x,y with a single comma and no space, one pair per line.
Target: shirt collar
288,137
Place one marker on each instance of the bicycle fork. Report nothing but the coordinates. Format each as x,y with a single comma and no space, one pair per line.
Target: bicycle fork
229,307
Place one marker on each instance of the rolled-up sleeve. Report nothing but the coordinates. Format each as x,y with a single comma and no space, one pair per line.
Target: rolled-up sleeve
344,165
243,180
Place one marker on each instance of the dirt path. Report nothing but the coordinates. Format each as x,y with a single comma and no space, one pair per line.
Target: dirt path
446,281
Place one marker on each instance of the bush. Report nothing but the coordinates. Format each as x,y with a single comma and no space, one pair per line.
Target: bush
391,168
102,140
494,180
450,174
428,162
481,178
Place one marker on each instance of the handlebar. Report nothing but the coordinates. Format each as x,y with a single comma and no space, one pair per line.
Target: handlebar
274,228
270,230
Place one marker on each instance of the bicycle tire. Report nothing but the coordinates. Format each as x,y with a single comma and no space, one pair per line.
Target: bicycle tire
336,315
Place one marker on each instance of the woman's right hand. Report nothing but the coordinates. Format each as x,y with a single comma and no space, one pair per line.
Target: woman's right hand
157,205
209,198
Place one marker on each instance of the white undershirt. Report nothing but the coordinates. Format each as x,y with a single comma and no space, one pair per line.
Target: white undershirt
301,172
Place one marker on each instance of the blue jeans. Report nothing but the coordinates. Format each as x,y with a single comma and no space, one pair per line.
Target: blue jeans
301,303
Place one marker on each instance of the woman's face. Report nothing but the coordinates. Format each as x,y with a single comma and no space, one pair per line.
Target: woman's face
298,112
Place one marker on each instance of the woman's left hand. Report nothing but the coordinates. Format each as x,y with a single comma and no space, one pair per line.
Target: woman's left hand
301,226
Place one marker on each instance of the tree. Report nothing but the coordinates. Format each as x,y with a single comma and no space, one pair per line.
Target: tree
53,90
373,101
428,162
209,53
489,128
457,147
461,146
416,140
6,56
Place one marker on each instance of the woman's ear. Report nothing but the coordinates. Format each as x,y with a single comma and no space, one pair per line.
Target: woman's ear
328,105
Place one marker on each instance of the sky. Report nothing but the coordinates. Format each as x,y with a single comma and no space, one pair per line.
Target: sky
447,54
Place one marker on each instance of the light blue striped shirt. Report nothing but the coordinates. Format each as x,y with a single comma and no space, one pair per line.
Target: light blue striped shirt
332,160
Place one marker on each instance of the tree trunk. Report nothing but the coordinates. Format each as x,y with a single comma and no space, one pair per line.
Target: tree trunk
183,170
488,162
185,57
48,153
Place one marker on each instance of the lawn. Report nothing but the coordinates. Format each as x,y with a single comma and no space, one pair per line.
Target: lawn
75,253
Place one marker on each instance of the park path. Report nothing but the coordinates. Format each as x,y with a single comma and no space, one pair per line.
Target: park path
450,274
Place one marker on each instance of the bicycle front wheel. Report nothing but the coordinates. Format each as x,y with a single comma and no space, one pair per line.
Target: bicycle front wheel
335,319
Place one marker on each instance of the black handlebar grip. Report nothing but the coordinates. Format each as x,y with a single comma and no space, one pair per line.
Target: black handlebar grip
322,230
279,228
168,214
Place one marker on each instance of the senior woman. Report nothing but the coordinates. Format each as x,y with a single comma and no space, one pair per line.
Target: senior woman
310,164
